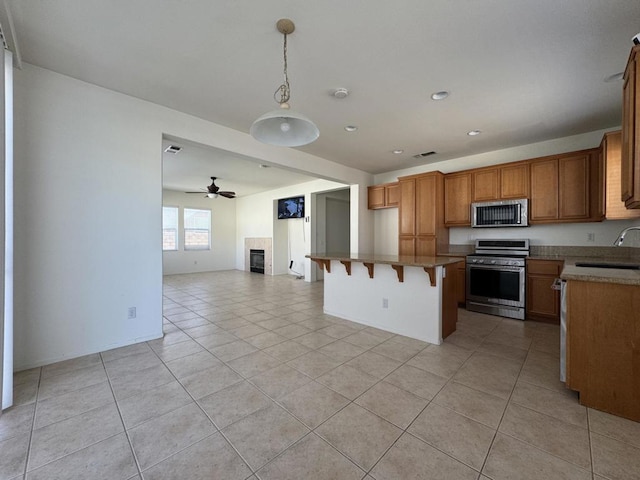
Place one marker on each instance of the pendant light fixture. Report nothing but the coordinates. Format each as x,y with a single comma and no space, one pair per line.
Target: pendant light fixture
284,127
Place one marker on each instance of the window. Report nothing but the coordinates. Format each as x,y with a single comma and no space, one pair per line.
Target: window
169,228
197,229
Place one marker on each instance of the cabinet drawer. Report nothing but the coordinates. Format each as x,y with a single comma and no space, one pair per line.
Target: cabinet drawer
544,267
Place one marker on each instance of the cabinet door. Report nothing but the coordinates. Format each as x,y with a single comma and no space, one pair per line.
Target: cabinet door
376,196
407,214
457,199
611,151
461,289
426,206
407,245
514,181
544,190
543,302
426,246
392,195
631,133
573,187
486,185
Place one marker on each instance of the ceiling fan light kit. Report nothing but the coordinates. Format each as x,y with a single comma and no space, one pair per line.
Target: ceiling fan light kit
284,127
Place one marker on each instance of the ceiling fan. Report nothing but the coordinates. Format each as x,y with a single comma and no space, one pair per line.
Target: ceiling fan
213,191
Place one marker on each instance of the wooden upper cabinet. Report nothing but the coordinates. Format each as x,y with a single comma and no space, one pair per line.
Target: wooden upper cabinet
514,181
426,203
457,199
566,188
407,213
574,187
392,194
544,191
610,150
486,184
383,196
630,181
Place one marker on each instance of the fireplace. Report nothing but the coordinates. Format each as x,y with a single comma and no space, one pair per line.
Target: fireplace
256,261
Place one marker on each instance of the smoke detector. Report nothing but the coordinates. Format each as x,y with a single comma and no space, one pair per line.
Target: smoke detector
173,149
341,93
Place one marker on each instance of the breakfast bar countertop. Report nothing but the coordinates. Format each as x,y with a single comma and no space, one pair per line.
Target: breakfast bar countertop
404,260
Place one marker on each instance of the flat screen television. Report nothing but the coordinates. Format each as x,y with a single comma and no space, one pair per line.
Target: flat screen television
291,208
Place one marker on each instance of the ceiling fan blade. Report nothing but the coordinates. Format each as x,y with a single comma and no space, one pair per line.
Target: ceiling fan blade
195,192
227,194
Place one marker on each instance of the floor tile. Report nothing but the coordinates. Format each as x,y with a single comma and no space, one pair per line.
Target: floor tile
359,434
107,460
178,350
59,439
364,339
479,406
342,351
120,352
266,340
564,440
392,403
138,382
197,321
14,455
233,403
273,323
153,403
314,364
134,363
287,350
61,407
247,331
347,381
490,374
190,364
16,421
313,403
280,381
315,340
441,365
163,436
253,363
614,459
464,439
562,405
203,330
510,458
543,370
396,350
216,340
618,428
510,352
71,365
416,381
264,434
71,381
233,350
374,364
209,459
338,331
206,382
414,459
311,458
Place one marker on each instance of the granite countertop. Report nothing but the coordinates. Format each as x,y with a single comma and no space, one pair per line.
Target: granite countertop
405,260
602,275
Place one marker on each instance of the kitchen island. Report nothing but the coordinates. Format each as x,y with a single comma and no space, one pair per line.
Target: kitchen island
413,296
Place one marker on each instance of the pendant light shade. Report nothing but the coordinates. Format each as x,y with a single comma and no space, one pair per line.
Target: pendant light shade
284,127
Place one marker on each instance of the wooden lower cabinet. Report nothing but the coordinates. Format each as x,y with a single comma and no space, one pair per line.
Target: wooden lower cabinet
603,346
461,279
542,301
449,301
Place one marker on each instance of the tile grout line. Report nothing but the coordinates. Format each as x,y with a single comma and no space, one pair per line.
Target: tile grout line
33,422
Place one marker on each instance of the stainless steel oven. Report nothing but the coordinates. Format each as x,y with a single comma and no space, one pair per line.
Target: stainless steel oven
496,277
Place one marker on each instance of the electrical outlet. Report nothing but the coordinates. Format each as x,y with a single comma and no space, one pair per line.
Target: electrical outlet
591,237
385,303
131,313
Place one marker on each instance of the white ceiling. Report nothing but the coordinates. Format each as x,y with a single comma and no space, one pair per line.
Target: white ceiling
521,71
191,170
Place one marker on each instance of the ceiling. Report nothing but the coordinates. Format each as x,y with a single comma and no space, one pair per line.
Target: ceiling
520,71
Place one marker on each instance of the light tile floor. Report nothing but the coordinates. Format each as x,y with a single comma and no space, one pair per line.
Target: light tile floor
251,380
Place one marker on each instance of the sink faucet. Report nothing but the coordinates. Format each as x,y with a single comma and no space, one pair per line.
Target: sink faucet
620,239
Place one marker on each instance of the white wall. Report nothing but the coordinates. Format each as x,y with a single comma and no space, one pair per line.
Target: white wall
88,176
223,235
386,221
256,217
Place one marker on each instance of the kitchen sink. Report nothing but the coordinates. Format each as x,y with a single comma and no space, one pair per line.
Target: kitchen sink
624,266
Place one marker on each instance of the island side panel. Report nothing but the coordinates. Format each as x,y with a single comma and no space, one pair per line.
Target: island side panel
414,307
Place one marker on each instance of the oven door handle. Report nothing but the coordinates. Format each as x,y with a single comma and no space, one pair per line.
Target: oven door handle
504,268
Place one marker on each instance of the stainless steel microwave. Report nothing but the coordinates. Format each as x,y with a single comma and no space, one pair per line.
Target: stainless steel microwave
504,213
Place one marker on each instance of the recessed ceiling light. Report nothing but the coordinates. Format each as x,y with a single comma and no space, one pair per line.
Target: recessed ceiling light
351,128
473,133
439,95
615,77
398,151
